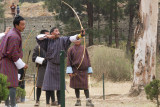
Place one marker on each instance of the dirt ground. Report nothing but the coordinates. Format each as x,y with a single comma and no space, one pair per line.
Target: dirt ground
116,95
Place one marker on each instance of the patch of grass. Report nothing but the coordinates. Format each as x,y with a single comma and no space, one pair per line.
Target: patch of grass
110,61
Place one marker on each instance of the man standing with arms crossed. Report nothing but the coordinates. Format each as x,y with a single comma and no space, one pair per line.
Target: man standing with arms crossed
11,57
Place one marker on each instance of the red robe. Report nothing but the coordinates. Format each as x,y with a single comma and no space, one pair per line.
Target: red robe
10,52
80,75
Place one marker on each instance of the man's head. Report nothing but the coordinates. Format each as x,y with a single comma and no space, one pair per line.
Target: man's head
55,31
12,3
78,42
19,23
44,32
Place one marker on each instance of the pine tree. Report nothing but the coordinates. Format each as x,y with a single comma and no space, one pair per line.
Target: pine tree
131,10
153,90
4,92
20,93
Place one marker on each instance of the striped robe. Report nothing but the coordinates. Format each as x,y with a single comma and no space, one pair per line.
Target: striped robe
53,47
80,75
10,52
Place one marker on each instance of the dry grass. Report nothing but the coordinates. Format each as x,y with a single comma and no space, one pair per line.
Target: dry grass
110,61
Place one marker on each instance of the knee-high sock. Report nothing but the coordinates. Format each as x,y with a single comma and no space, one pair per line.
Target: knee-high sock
86,92
77,92
52,96
48,94
38,93
58,96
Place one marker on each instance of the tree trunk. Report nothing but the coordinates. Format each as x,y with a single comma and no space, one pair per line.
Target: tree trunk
131,17
110,22
99,36
145,46
99,21
116,25
90,21
158,34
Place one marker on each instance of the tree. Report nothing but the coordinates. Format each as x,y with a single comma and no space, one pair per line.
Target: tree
20,93
131,10
110,22
52,5
90,20
1,11
158,35
145,45
116,22
118,14
4,92
153,90
66,15
112,12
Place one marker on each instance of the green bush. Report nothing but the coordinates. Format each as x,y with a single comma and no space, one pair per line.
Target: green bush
4,92
20,93
153,90
110,61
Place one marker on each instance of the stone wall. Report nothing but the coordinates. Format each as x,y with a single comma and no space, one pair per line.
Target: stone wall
34,23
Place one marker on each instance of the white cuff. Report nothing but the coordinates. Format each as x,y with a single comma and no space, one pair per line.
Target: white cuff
73,38
69,70
39,60
19,76
41,36
90,70
19,63
2,35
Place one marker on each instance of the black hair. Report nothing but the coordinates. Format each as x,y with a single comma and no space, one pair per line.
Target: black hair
52,29
43,31
17,20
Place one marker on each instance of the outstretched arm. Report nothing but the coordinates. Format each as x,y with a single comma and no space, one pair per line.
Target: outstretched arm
78,36
42,40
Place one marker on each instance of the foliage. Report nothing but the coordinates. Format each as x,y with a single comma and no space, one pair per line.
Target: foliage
110,11
52,5
1,11
132,7
153,90
20,93
4,92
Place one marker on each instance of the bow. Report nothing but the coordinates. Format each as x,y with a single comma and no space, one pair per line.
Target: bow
81,29
28,37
